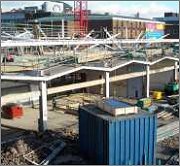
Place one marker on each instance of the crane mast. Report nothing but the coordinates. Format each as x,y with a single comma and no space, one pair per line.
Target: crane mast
81,17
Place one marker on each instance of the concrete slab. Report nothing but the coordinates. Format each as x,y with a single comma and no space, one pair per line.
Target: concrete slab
29,121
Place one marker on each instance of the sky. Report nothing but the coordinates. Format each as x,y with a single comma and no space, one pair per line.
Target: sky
147,9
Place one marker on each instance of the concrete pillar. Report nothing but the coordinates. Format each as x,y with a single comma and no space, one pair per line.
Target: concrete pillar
62,28
175,71
147,80
102,86
34,88
107,84
51,28
42,122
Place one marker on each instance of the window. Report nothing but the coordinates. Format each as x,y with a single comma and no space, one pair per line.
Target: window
134,24
168,31
126,24
175,31
122,34
138,24
133,33
121,23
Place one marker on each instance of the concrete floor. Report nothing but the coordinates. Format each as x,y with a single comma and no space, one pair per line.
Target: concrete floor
29,121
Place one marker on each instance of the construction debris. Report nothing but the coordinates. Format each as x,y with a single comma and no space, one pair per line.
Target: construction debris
70,159
167,130
168,151
174,160
44,154
70,104
42,149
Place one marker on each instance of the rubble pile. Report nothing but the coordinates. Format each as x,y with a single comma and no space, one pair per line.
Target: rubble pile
172,148
12,152
171,142
35,148
174,160
70,154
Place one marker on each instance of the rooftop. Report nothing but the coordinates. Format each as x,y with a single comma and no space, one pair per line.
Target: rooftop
95,17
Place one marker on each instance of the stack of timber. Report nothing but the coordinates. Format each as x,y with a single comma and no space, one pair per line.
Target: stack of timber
167,131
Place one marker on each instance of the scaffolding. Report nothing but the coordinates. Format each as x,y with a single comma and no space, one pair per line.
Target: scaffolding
40,46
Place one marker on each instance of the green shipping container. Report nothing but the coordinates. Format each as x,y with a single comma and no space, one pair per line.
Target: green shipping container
144,103
171,88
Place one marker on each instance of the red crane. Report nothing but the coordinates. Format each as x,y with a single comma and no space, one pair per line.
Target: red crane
81,16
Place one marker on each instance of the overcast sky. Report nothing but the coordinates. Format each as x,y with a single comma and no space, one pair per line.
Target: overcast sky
146,9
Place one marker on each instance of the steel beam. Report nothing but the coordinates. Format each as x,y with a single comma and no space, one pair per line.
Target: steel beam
30,95
35,42
105,69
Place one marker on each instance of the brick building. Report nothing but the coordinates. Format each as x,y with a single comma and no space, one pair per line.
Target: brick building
128,27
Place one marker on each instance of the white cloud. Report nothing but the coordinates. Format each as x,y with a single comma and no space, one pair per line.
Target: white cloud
146,9
9,5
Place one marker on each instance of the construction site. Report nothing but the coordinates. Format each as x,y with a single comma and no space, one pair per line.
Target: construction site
72,96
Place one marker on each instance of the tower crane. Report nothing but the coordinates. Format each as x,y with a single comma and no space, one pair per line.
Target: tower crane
81,17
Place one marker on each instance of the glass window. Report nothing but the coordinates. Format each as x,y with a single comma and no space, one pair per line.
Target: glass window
175,31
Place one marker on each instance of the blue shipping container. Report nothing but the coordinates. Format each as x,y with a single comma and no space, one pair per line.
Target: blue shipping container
122,140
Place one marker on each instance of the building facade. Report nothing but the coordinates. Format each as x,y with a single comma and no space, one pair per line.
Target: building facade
52,13
14,16
127,27
172,24
47,9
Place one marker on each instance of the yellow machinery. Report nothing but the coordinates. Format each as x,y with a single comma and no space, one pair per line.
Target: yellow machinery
158,95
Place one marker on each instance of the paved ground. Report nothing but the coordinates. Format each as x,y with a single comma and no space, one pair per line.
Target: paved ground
29,121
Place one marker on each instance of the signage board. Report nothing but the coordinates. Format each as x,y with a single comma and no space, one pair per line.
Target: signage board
53,7
154,30
154,35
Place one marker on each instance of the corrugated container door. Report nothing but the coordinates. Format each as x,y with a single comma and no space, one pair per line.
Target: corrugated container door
132,141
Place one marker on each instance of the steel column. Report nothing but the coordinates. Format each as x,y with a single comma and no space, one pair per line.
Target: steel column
43,107
176,71
102,85
147,80
107,84
62,28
